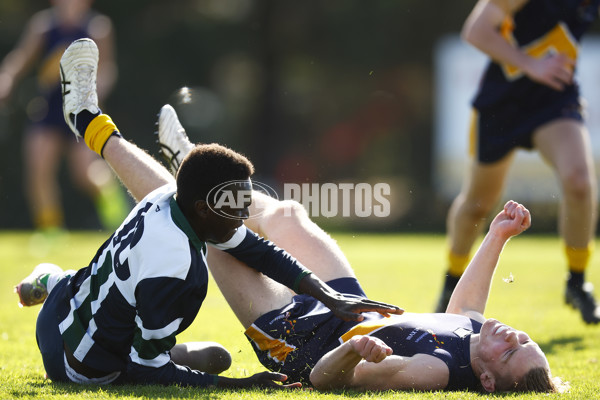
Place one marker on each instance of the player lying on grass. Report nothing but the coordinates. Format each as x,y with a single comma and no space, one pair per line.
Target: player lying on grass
298,336
116,320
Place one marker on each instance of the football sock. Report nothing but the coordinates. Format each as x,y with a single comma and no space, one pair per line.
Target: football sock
97,129
48,218
50,280
44,279
457,263
83,118
578,258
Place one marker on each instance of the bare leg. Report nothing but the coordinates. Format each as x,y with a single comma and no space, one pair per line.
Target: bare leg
43,149
139,172
80,160
565,145
209,357
286,223
480,194
249,293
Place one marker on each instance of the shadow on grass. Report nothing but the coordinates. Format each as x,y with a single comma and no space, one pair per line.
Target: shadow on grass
553,345
39,388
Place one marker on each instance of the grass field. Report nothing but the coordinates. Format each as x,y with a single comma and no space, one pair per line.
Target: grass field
401,269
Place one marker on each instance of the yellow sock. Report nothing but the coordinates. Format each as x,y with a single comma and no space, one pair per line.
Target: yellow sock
457,263
50,217
578,258
98,132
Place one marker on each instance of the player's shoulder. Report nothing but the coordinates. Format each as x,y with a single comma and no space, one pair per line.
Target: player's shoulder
509,6
164,239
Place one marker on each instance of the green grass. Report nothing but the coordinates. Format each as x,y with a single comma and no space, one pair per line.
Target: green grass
402,269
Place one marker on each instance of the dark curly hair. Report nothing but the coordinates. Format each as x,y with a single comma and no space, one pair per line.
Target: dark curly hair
205,167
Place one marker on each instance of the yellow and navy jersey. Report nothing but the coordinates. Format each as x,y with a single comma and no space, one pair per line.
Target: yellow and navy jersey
291,340
55,41
540,28
444,336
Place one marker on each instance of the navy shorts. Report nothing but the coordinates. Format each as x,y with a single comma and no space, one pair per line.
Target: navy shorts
52,116
499,129
49,339
291,340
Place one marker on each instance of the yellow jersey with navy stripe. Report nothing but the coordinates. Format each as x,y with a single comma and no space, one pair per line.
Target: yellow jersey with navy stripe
509,106
55,39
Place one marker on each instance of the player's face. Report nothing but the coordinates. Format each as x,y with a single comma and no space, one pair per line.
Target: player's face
227,215
508,353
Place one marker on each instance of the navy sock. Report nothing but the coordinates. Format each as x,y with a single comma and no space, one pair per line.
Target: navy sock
83,119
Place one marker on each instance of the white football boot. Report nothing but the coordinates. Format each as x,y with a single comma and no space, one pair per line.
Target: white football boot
173,141
78,70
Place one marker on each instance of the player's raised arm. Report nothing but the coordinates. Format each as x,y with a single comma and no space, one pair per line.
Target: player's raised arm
471,293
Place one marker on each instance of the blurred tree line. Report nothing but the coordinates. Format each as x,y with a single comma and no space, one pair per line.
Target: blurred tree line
312,91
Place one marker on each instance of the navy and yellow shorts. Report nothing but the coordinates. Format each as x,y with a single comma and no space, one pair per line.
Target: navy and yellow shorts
497,130
291,340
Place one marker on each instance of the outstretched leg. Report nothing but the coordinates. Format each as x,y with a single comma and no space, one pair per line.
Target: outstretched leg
249,293
286,223
138,171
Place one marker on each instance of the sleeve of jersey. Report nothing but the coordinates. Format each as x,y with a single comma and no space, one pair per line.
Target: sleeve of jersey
264,256
161,310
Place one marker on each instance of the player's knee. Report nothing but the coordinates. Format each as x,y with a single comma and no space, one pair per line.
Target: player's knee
219,359
209,357
289,209
578,184
479,209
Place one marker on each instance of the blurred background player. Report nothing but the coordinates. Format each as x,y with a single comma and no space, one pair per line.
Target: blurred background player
528,99
47,138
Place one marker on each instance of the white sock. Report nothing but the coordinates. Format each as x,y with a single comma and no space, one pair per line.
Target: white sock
53,279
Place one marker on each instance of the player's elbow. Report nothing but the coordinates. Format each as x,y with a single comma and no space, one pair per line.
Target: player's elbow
321,380
468,34
317,379
476,32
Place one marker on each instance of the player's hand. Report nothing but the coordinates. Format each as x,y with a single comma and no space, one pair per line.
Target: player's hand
262,380
555,71
512,220
349,308
346,307
370,348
